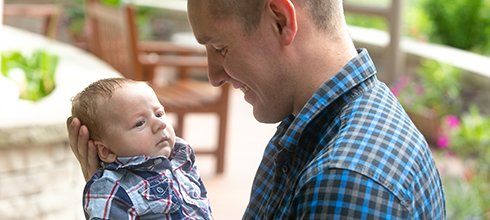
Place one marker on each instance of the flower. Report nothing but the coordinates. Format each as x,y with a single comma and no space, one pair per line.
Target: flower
400,85
449,125
443,141
452,121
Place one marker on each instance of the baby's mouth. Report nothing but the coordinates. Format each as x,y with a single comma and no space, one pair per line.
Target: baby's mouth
245,89
164,138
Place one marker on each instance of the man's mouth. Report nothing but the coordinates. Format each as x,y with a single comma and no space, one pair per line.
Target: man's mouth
245,89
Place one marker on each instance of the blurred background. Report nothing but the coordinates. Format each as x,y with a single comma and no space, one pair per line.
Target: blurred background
433,54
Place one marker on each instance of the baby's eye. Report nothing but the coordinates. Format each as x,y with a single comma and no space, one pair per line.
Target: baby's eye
139,124
158,115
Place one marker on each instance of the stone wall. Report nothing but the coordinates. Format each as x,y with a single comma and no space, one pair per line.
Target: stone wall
39,176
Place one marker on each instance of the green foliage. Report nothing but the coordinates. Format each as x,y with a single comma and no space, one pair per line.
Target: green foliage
471,139
143,18
467,199
75,11
112,2
35,74
464,24
416,21
366,21
442,86
436,86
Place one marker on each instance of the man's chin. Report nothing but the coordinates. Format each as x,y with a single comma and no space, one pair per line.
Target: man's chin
267,117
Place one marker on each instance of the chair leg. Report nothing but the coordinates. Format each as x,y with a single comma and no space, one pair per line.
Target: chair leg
179,127
220,151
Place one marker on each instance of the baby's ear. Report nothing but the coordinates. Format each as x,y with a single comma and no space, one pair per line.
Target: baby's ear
104,152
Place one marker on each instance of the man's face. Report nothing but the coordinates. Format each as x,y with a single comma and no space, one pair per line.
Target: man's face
136,123
251,62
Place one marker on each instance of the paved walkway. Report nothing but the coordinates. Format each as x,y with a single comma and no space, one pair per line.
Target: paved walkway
246,141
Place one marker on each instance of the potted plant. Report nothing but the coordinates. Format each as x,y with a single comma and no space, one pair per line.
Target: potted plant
34,74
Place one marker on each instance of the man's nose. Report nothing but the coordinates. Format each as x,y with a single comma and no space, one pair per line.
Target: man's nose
216,72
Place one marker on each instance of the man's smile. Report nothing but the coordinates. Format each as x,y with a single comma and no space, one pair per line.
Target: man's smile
245,89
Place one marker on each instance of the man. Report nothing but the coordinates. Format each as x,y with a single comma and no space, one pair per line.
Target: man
345,148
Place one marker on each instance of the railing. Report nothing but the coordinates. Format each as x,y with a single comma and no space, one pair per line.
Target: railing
394,57
50,13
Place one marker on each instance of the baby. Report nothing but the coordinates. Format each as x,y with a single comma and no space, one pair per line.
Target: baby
147,172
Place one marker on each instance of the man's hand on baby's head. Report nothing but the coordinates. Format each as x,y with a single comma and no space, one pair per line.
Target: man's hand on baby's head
83,148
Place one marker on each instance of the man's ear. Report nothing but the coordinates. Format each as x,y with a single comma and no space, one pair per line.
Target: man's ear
284,16
105,154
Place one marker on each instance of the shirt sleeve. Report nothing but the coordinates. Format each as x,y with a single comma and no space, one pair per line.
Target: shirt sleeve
345,194
106,199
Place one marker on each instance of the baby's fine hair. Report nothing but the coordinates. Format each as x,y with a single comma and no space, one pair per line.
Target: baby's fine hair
85,105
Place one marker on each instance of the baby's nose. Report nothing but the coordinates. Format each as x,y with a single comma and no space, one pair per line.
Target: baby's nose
159,125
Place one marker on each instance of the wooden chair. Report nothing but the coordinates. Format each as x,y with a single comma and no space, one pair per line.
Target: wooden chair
49,13
113,38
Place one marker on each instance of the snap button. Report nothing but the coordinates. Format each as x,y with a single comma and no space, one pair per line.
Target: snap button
157,161
285,169
160,190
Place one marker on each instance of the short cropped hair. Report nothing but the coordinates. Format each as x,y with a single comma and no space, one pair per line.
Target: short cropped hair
325,14
86,104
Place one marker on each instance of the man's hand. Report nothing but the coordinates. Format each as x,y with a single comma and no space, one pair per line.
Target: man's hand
83,148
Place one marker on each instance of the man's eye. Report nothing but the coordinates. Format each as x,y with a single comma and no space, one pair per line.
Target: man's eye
139,124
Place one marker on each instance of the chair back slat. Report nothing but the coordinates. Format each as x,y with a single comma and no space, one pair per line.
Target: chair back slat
113,39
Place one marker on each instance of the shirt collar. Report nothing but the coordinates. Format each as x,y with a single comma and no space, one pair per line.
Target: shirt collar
181,153
352,74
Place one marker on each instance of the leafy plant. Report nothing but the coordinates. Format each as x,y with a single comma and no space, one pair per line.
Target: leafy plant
75,12
416,21
467,199
143,20
435,86
35,74
464,24
366,21
469,138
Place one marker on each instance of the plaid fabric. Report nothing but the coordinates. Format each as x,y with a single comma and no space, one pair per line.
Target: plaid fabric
351,153
142,187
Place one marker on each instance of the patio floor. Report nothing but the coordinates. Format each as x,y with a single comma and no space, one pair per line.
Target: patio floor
229,192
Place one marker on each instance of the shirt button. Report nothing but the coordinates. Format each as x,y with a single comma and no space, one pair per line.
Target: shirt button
160,190
285,169
157,161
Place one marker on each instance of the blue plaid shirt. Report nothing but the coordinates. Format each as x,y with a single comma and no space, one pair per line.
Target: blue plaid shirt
351,153
142,187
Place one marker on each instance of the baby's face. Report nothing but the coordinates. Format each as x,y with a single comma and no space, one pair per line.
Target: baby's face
136,123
